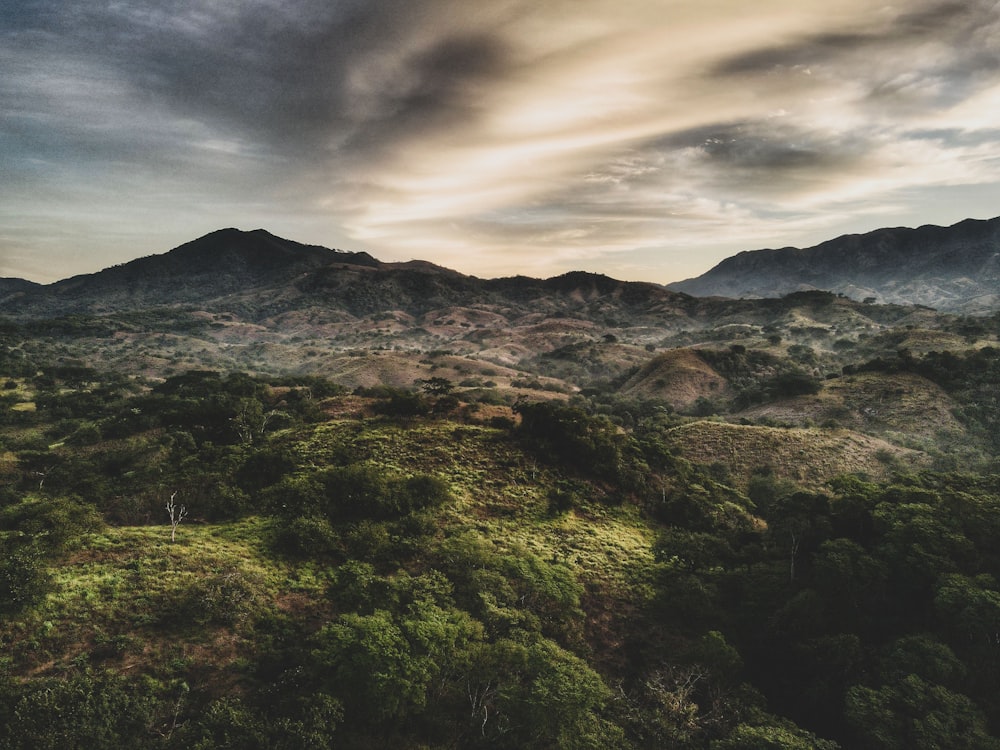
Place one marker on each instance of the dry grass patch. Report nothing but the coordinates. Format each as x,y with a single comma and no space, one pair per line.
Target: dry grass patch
807,457
680,377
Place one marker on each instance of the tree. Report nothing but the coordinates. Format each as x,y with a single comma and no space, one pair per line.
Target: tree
772,737
798,523
541,696
251,420
437,386
176,515
24,579
911,714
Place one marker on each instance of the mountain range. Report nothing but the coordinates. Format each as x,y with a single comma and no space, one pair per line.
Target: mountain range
249,301
430,510
952,269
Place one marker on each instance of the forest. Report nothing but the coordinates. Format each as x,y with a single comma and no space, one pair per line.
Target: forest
438,568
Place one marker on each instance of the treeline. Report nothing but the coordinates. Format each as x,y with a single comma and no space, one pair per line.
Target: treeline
868,615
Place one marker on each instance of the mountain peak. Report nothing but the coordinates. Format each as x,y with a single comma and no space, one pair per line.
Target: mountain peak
222,262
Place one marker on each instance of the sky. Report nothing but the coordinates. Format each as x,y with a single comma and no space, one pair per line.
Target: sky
643,139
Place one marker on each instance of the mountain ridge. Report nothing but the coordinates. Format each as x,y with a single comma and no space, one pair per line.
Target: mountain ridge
953,269
261,274
224,262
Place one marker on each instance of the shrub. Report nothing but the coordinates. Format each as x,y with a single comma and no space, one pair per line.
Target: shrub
228,598
24,579
53,523
307,536
793,384
101,712
404,404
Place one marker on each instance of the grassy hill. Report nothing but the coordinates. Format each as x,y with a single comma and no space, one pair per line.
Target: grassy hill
808,458
678,377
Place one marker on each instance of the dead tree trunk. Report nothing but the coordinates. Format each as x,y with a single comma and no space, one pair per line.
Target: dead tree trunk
177,514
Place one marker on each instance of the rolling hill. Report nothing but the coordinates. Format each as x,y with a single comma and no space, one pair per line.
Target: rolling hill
428,510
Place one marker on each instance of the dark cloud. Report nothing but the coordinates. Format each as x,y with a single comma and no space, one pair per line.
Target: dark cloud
957,24
298,76
812,50
441,87
770,146
770,154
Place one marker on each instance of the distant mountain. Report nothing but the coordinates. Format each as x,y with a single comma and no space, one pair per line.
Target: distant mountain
12,288
252,302
953,269
259,276
248,286
220,263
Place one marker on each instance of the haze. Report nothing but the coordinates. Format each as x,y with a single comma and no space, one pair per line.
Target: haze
641,139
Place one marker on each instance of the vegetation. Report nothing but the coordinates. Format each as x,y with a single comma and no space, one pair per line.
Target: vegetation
355,571
574,519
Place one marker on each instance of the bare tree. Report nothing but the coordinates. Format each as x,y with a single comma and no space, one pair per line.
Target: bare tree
177,514
42,473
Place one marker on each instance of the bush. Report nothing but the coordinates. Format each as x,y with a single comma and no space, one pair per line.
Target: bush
793,384
227,598
404,404
97,713
52,523
24,578
307,536
364,491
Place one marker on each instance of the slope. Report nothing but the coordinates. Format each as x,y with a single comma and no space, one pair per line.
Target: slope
806,457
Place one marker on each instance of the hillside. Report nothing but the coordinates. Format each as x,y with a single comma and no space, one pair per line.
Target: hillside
423,510
808,458
678,377
220,263
250,300
904,407
430,571
954,269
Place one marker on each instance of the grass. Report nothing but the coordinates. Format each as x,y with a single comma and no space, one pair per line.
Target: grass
606,549
808,457
130,597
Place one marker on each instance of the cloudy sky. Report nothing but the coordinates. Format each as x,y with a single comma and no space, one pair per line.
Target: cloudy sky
645,139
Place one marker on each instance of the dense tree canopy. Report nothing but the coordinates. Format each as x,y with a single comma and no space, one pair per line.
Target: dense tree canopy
417,581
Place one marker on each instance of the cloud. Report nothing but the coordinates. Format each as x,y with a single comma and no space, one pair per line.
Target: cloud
488,136
934,54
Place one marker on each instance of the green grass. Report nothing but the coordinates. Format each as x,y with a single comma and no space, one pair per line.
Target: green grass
131,597
604,549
